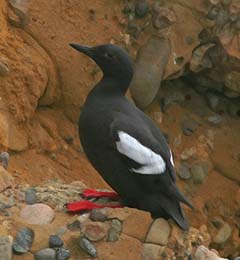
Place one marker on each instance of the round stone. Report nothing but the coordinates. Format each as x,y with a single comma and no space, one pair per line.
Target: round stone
62,254
55,241
159,232
95,231
97,215
184,172
215,120
38,214
45,254
213,12
30,196
189,126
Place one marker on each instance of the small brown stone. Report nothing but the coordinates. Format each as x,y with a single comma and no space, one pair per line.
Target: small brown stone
159,232
95,231
137,224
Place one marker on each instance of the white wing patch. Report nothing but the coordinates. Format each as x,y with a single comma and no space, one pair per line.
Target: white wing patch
152,162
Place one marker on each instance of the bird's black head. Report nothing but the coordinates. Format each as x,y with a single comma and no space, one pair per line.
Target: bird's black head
113,60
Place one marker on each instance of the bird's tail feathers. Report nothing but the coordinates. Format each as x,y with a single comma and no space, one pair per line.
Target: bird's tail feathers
173,209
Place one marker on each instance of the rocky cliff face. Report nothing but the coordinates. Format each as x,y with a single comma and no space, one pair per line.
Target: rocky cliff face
187,77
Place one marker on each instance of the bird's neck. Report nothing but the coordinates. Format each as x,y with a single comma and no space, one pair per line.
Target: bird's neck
111,85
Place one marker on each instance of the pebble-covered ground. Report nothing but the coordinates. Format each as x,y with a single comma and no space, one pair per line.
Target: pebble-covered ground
37,226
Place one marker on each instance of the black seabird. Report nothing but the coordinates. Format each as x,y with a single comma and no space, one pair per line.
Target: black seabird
123,144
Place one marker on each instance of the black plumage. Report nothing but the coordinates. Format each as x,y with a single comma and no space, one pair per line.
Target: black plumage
107,118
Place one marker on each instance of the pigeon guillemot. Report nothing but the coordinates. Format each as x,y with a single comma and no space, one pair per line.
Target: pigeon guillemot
124,145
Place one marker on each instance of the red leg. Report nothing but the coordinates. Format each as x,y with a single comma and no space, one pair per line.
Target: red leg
88,205
89,193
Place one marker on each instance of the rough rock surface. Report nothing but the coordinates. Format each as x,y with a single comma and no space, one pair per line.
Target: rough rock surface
43,84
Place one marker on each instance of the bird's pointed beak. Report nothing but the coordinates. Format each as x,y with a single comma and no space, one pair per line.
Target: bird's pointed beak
84,49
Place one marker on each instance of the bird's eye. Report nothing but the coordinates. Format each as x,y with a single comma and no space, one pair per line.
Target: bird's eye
108,55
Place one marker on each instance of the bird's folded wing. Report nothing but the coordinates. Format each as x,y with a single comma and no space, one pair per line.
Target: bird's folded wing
136,143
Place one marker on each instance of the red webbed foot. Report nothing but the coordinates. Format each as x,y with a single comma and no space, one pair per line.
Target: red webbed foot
90,193
88,205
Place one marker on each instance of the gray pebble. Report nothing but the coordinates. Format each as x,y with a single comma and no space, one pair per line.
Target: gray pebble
23,240
189,126
141,8
97,215
75,225
55,241
62,254
213,13
212,100
88,247
45,254
30,196
114,231
197,174
215,120
184,172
